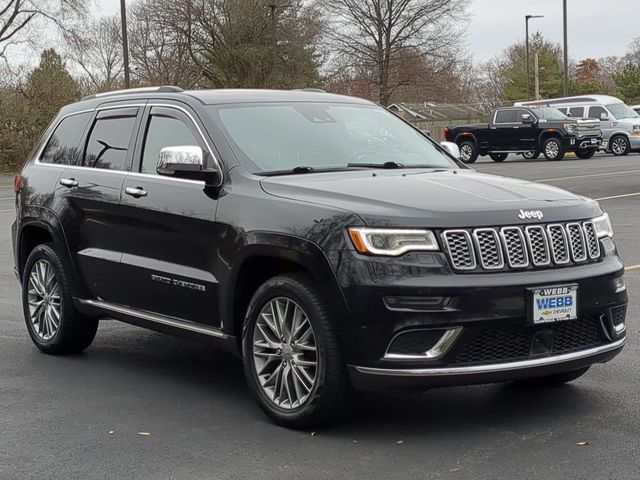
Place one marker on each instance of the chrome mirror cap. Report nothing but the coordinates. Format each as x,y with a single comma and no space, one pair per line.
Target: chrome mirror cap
183,158
452,149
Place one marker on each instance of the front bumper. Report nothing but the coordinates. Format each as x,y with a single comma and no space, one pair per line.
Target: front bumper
496,341
373,379
573,143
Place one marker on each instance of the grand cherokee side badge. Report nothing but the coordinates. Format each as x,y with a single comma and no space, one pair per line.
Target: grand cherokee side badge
529,214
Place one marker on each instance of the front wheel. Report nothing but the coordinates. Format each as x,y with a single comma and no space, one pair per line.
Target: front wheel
531,155
468,151
54,324
291,357
552,149
586,153
498,157
620,145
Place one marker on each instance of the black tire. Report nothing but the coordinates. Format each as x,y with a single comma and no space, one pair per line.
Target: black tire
498,157
330,395
619,145
531,155
468,151
556,379
552,149
74,331
585,154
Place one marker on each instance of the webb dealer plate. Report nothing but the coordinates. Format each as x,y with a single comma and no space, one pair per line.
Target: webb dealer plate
554,304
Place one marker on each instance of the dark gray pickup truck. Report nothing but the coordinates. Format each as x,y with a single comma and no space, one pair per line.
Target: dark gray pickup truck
527,131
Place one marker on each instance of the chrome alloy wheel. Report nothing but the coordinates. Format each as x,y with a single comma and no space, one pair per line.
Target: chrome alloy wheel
285,355
466,151
44,300
619,145
552,149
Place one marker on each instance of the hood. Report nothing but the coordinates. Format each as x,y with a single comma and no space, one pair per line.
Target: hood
627,121
433,198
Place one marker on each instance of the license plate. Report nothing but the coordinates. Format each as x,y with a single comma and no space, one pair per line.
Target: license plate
594,140
554,304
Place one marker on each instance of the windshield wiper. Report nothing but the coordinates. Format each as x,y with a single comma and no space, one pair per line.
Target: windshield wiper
376,165
293,171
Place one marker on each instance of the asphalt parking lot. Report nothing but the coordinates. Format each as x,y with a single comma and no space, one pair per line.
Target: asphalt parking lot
82,416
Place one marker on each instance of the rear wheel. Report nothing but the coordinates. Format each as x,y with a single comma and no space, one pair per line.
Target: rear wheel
54,324
468,151
620,145
531,155
552,149
291,357
498,157
556,379
585,153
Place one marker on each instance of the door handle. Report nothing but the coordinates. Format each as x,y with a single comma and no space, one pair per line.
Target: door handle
136,192
69,182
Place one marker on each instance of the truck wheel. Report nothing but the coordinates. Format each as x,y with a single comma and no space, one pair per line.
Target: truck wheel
552,149
556,379
291,357
54,324
468,151
620,145
531,155
585,153
498,157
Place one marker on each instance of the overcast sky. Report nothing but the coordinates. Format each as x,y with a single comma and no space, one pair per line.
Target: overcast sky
597,28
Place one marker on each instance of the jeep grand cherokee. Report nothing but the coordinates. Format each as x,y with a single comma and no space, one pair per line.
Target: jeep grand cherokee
330,244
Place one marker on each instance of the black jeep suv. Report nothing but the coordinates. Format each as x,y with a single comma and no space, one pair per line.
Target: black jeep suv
330,244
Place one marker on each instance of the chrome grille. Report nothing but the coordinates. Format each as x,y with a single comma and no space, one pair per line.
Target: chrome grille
515,247
520,247
489,249
460,248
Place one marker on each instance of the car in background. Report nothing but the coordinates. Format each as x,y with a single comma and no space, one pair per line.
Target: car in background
527,131
620,123
636,108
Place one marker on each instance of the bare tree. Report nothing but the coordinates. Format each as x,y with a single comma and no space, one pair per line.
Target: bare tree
18,16
373,34
97,51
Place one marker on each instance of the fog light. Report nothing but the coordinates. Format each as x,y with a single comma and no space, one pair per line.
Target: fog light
620,284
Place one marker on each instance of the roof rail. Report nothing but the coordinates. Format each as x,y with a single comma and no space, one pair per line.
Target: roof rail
163,89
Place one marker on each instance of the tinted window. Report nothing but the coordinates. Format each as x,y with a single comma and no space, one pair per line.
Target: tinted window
163,132
577,112
595,112
506,116
64,145
109,142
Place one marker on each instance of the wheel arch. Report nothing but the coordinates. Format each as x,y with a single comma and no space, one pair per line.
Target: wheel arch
265,256
461,137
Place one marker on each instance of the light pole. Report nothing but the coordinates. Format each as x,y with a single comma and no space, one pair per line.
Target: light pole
526,27
125,43
566,50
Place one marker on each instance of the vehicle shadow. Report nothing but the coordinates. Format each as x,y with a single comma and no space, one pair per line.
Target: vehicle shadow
208,376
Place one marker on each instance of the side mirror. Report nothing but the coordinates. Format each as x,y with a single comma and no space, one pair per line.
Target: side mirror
452,149
527,119
185,161
604,116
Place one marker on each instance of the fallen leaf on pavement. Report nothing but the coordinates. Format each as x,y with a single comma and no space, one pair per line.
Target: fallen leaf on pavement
144,434
582,444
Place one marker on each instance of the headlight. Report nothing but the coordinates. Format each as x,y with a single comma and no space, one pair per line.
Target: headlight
391,242
571,127
603,226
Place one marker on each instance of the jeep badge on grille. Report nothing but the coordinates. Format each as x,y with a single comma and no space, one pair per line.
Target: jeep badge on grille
529,214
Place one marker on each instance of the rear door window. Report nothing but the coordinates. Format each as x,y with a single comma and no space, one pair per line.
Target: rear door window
64,146
109,142
577,112
506,116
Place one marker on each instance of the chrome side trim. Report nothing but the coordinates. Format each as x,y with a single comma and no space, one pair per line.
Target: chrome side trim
499,367
439,350
192,327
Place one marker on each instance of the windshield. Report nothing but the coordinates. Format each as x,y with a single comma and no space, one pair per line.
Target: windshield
277,137
621,111
548,113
